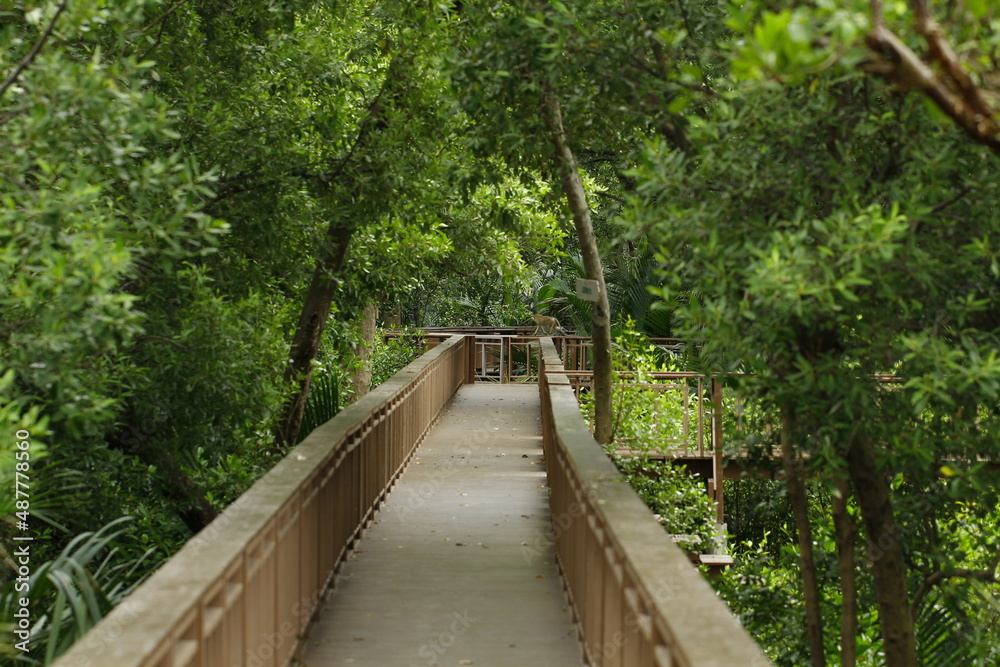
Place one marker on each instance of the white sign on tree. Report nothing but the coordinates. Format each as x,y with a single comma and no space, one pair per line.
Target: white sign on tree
588,290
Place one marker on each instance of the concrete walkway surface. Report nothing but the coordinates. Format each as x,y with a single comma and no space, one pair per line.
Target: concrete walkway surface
457,568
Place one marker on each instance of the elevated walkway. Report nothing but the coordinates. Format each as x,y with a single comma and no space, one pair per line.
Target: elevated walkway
420,527
457,567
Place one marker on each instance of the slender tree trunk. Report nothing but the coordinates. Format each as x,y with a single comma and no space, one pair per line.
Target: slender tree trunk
362,378
309,333
800,508
885,552
572,185
845,532
319,298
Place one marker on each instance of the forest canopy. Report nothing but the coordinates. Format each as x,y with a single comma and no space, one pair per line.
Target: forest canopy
207,205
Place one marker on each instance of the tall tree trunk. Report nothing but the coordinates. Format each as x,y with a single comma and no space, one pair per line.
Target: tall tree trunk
800,508
309,333
319,298
845,532
572,185
885,552
362,377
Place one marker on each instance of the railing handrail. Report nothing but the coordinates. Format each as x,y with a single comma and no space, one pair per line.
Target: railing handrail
636,596
193,610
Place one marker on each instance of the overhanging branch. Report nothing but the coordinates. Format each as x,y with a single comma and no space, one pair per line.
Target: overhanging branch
950,87
28,59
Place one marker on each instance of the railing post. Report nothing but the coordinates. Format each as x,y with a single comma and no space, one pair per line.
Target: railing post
504,359
717,471
470,359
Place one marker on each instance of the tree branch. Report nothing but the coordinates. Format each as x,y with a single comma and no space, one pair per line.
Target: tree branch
156,43
27,60
878,20
608,195
953,92
941,51
948,202
937,577
162,16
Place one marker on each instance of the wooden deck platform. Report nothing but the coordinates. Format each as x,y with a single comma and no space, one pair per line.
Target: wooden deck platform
457,568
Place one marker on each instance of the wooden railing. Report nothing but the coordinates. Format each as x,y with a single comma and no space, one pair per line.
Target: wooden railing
244,590
695,438
637,599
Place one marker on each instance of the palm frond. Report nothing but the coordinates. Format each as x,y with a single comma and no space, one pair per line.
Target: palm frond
323,402
943,634
69,595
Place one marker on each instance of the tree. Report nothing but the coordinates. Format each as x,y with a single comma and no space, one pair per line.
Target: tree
814,252
600,330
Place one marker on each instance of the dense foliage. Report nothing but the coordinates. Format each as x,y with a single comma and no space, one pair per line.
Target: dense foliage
204,203
172,174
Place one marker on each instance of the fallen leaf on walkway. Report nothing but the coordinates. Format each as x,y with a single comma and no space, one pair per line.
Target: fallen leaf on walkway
459,544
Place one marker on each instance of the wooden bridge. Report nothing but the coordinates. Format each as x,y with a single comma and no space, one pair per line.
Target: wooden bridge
447,518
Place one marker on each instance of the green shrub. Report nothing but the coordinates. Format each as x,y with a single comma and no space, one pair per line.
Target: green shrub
677,497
